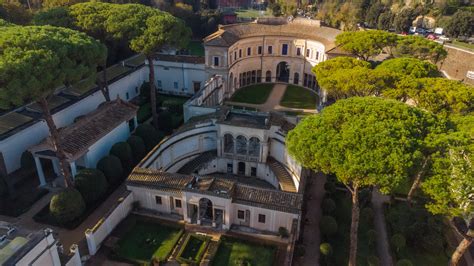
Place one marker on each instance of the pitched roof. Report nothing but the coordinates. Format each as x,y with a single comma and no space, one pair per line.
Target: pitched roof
76,138
190,59
229,34
268,198
152,178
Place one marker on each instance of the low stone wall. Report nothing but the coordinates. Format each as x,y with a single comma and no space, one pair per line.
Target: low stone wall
457,64
96,235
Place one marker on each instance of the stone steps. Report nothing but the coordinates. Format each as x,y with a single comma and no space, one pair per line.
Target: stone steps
196,163
284,178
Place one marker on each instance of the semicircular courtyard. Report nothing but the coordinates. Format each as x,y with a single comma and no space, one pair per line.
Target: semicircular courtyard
266,97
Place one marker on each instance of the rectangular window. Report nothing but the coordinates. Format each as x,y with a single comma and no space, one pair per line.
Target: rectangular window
253,171
240,214
127,96
298,51
136,90
317,55
240,53
259,50
216,61
159,84
177,203
261,218
284,49
249,51
235,55
308,52
270,49
158,200
175,85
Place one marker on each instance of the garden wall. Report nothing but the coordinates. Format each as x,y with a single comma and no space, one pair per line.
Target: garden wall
106,225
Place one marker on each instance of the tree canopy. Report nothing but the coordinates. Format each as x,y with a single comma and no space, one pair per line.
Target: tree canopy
366,140
461,24
56,16
365,44
412,67
327,68
36,60
419,47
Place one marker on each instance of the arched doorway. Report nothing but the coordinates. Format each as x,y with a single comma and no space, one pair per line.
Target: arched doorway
231,80
241,168
283,72
205,211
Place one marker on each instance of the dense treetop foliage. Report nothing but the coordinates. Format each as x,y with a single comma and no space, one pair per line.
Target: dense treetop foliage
411,67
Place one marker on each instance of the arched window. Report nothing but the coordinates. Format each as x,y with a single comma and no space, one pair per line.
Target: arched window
228,143
296,78
235,82
241,145
231,80
254,147
268,76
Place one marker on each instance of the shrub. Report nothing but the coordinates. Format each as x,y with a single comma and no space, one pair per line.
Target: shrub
67,205
432,243
283,232
371,237
404,262
91,183
330,187
112,169
373,260
138,148
165,121
123,151
328,206
326,249
367,215
328,225
398,241
150,136
27,161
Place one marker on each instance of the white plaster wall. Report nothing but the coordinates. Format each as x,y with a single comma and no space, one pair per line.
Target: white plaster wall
102,147
15,145
184,74
279,152
44,253
273,219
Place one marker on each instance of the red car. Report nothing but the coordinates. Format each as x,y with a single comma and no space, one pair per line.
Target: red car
431,37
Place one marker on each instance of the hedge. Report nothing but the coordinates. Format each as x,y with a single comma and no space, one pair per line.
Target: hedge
112,169
91,183
123,151
151,137
138,148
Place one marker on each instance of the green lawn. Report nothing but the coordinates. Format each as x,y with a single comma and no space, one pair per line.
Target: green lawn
236,252
299,97
148,240
252,13
463,45
194,249
254,94
196,48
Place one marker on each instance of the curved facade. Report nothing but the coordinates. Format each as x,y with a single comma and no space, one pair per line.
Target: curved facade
271,50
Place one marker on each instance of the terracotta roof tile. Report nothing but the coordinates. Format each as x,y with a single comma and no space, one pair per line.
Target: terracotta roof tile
268,198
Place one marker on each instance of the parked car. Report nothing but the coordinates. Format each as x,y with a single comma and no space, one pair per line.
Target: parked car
431,37
444,38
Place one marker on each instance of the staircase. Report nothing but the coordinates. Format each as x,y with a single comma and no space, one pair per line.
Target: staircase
284,178
197,162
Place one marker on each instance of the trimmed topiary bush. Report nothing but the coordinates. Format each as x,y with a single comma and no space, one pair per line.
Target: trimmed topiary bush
330,187
67,205
398,241
123,151
373,260
149,134
328,206
326,249
165,121
91,183
27,161
328,225
138,148
404,262
112,169
283,232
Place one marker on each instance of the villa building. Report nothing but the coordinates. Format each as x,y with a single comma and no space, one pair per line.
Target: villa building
228,168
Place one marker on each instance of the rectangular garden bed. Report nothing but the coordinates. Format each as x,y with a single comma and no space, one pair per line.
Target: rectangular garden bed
193,249
234,252
147,241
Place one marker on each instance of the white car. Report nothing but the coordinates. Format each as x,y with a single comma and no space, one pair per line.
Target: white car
444,38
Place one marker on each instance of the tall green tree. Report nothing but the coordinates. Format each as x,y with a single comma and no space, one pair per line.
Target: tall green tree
404,19
460,24
451,182
56,16
365,44
412,67
36,60
384,21
148,31
365,142
421,48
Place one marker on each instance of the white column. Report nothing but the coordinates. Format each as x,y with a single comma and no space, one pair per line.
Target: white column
198,215
73,169
86,160
56,167
135,121
39,169
213,217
